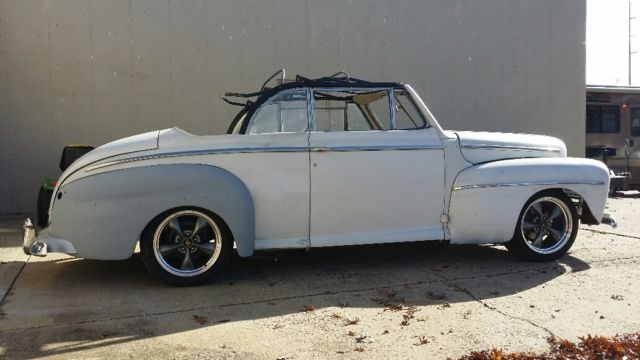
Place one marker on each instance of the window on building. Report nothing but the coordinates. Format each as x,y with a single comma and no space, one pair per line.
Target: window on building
635,121
603,119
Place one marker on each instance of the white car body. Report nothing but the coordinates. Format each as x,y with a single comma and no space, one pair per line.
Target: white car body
315,189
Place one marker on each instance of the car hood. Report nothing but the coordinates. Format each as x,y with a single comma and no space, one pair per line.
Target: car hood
478,147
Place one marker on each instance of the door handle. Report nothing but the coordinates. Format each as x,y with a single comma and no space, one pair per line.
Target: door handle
320,149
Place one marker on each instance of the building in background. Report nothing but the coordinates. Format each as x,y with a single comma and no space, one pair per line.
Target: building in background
93,71
613,128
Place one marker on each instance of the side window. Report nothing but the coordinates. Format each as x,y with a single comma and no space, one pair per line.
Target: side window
407,116
351,110
284,113
635,121
603,119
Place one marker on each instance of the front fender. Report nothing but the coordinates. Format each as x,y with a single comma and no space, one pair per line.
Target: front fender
486,199
103,215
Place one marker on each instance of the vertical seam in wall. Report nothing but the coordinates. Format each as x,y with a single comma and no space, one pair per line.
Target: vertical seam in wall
92,79
131,66
207,120
552,123
243,64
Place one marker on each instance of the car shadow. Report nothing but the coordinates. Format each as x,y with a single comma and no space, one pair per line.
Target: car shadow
87,304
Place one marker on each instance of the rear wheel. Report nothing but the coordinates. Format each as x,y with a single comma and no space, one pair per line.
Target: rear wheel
186,246
546,229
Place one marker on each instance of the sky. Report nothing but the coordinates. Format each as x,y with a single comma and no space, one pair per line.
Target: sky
607,42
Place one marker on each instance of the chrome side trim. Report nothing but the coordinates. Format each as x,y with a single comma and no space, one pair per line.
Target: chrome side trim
262,150
196,153
533,183
510,147
376,148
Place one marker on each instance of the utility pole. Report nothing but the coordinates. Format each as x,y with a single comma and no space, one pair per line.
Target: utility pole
630,35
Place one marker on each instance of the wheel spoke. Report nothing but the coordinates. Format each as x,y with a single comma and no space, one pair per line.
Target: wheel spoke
555,213
208,248
537,208
556,234
528,225
167,249
175,226
539,239
200,224
187,263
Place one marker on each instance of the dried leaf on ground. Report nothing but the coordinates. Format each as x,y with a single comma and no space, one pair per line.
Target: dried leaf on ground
200,319
309,308
617,297
422,339
590,347
393,307
354,321
410,313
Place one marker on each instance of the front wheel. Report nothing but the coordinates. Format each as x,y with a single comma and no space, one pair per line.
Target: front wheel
546,229
186,246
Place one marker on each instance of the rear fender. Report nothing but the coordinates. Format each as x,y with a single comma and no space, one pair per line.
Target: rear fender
104,215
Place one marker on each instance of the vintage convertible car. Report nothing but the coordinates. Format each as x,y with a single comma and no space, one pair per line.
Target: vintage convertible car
318,162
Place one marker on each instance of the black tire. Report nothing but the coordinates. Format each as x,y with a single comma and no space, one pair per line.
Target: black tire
170,264
44,199
538,241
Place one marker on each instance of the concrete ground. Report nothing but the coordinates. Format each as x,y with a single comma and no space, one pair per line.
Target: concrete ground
455,299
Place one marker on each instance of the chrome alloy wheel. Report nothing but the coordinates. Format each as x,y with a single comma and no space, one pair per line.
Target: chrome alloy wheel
547,225
187,243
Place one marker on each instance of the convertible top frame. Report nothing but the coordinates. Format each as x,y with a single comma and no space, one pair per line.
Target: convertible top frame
255,99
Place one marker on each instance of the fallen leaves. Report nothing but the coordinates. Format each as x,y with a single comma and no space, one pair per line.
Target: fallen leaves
590,347
364,338
617,297
422,339
354,321
309,308
408,315
466,314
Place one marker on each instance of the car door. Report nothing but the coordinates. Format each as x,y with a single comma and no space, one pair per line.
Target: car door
377,173
278,175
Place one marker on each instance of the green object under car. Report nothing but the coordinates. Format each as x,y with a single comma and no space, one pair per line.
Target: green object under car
70,153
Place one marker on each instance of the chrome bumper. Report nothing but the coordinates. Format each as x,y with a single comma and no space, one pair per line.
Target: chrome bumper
40,246
608,219
30,243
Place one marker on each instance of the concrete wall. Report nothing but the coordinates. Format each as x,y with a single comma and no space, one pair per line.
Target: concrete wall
79,71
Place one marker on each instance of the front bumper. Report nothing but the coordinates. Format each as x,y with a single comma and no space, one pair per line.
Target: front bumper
32,244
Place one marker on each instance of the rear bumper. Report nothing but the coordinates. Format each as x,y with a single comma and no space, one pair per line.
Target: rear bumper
32,244
608,219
